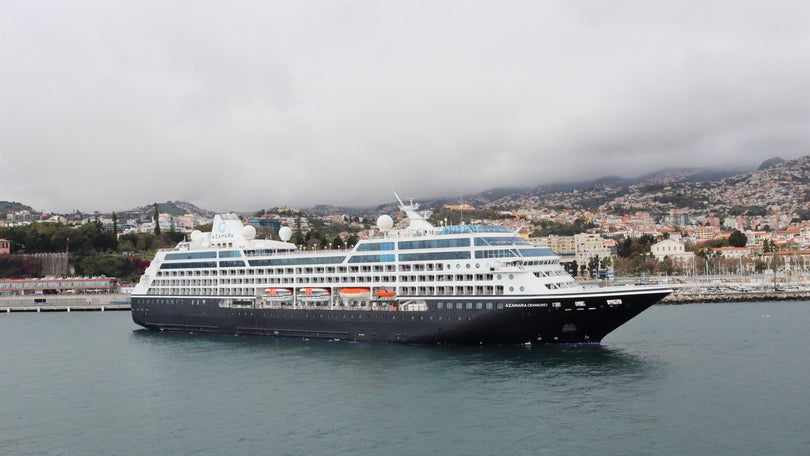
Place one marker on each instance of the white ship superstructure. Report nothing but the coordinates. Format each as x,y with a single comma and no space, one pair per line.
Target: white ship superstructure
399,266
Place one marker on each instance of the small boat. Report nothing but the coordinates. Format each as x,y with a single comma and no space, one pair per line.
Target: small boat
313,294
384,293
278,294
355,293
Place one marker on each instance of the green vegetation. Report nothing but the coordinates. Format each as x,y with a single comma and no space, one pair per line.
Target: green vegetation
14,266
92,248
453,217
580,225
748,211
737,239
9,207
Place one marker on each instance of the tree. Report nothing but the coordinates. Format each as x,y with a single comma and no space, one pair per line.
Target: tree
593,266
115,228
17,266
157,220
737,239
667,266
605,263
572,267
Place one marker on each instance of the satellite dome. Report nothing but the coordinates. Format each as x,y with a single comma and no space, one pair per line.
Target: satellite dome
196,236
385,223
285,233
249,232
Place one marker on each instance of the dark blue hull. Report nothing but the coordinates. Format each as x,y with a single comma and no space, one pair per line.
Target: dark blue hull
575,318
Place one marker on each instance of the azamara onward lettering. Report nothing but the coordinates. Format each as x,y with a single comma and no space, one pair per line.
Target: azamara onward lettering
465,284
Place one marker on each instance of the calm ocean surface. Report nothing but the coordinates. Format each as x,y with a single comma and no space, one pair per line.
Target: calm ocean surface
699,379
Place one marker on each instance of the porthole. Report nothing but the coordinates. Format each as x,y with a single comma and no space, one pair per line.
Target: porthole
511,289
522,289
511,276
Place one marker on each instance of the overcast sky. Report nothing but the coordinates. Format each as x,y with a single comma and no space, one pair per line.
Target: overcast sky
241,105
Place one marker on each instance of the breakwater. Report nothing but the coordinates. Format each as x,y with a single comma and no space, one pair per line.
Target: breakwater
733,296
65,303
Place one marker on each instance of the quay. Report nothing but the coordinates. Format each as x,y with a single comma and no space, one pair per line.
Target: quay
65,303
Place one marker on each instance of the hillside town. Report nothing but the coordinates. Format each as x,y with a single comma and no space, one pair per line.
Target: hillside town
747,223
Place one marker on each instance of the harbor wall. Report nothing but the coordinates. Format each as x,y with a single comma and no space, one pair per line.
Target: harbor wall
46,303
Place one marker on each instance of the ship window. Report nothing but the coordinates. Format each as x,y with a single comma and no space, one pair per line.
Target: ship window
459,305
469,306
500,305
364,247
435,243
439,305
433,256
190,255
489,305
479,305
372,258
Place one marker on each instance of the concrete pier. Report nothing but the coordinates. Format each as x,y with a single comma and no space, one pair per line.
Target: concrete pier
64,303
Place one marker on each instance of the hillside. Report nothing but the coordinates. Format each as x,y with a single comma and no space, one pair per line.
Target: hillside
775,184
8,207
174,208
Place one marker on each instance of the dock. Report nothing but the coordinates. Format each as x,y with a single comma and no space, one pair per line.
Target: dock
65,303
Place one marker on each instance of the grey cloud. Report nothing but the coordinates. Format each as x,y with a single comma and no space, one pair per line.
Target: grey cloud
257,104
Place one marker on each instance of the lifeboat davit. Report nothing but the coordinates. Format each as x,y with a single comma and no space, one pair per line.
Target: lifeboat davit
355,293
384,293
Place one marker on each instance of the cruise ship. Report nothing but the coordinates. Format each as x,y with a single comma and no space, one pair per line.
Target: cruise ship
416,284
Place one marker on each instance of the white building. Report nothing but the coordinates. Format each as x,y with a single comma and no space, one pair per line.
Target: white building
673,249
592,245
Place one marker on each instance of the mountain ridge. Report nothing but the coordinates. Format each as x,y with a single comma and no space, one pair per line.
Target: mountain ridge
591,194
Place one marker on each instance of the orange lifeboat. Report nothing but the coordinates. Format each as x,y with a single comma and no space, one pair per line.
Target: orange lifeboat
278,294
355,293
384,293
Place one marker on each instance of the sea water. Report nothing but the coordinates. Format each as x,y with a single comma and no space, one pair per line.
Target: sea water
677,380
